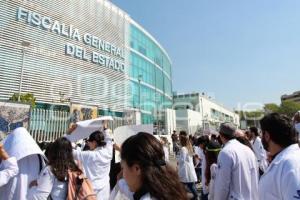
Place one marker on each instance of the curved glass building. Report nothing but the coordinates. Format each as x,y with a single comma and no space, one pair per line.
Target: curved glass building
90,53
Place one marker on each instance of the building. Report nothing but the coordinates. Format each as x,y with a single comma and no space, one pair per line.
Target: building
196,112
291,97
89,53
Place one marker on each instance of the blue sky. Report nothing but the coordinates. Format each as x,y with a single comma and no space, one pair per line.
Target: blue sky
238,51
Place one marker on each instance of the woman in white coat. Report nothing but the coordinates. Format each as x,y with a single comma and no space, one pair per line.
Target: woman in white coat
53,179
145,171
96,162
9,167
186,170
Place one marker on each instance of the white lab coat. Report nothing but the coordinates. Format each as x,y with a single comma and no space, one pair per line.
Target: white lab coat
282,178
9,169
260,154
96,166
121,192
237,175
203,168
213,174
21,145
186,170
47,184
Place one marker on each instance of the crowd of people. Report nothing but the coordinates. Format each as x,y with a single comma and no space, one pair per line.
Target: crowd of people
236,164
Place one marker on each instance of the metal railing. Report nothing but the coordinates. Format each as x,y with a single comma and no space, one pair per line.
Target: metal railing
48,125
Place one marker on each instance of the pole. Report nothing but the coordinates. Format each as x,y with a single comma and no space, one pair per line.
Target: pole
21,76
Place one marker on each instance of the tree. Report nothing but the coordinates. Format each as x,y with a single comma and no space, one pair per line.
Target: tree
289,108
271,107
24,98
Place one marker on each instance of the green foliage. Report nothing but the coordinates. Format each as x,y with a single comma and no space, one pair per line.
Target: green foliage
27,98
289,108
271,107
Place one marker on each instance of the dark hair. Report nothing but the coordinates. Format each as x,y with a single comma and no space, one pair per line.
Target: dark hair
254,130
280,128
211,155
183,133
98,137
61,159
185,142
204,139
146,151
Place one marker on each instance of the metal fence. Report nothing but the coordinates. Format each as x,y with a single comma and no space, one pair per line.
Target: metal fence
48,125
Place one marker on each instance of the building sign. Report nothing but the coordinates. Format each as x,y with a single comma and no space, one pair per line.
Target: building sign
48,24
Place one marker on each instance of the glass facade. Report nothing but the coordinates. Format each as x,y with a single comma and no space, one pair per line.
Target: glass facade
151,76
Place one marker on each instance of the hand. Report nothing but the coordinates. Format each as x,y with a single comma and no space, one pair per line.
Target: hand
117,147
33,183
3,153
71,129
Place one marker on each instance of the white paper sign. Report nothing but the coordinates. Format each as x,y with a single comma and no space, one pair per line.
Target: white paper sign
20,144
85,128
123,132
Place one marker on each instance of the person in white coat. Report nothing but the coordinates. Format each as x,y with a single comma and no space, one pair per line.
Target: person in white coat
8,168
186,170
237,175
53,179
202,142
145,171
30,159
259,150
282,178
96,162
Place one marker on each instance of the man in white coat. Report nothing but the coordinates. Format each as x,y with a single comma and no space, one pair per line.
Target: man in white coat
282,178
260,152
237,174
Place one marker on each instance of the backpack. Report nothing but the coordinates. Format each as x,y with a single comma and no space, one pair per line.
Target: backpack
80,187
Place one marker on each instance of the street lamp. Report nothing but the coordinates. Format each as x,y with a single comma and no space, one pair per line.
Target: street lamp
24,45
139,79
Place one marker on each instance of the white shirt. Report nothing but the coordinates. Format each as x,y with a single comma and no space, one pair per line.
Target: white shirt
237,176
282,178
47,184
9,168
186,168
17,187
260,154
96,166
